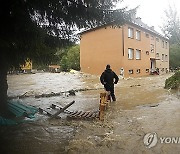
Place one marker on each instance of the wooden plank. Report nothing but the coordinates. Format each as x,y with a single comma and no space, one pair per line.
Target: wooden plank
79,112
93,115
76,116
89,115
43,110
53,106
101,114
81,115
73,113
86,113
61,110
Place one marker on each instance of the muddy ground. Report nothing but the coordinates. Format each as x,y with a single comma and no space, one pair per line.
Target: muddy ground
143,106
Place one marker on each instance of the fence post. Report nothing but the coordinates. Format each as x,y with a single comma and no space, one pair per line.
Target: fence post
104,104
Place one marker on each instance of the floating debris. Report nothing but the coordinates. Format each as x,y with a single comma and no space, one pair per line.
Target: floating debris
71,92
83,115
135,85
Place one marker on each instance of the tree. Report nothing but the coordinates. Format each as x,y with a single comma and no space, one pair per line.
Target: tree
34,28
174,56
171,29
72,59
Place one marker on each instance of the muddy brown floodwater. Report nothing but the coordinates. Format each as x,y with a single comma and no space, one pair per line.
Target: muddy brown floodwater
143,106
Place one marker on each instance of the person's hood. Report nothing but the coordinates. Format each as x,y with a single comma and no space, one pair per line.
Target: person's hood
108,70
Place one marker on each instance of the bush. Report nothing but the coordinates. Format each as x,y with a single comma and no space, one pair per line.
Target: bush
174,56
71,60
173,82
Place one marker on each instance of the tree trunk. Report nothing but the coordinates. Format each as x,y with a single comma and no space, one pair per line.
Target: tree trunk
3,88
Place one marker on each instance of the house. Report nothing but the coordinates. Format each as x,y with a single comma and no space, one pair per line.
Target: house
54,68
133,49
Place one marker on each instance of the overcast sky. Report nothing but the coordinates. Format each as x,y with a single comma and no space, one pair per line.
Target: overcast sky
151,11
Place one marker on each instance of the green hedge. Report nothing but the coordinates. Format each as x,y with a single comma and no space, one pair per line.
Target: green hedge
173,82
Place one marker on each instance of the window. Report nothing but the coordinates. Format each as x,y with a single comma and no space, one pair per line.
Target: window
138,54
162,69
152,47
147,70
162,57
138,71
138,35
130,53
157,54
166,45
147,52
166,70
152,37
157,39
130,32
166,58
130,71
147,35
162,44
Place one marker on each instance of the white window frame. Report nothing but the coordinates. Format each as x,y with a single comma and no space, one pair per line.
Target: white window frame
162,43
157,54
163,57
138,71
138,35
152,48
130,32
138,54
166,44
166,57
130,71
147,70
130,53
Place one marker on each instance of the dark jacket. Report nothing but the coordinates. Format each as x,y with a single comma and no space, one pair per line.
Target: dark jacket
108,76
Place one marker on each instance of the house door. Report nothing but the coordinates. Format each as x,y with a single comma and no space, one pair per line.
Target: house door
153,65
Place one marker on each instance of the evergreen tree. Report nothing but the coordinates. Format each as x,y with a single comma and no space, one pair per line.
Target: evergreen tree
34,28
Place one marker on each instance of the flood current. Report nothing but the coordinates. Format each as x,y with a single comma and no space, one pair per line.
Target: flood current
142,106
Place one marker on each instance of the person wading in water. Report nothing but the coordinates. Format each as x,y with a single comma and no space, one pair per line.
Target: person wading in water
108,78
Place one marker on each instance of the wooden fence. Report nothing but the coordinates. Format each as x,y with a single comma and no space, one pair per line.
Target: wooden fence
105,100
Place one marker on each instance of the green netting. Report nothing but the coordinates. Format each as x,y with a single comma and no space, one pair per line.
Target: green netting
4,121
19,109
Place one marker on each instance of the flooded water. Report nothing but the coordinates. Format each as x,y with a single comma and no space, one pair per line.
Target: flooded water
142,106
42,83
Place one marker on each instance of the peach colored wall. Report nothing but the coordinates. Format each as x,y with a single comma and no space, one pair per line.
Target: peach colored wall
152,39
104,46
159,49
142,45
99,48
